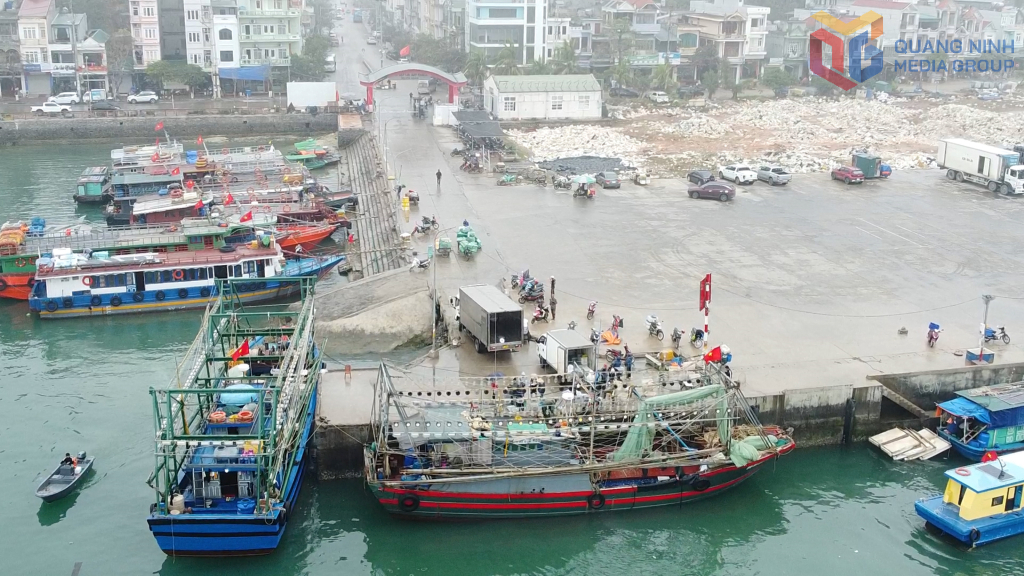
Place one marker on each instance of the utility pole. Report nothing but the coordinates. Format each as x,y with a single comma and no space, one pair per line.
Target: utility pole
986,298
74,49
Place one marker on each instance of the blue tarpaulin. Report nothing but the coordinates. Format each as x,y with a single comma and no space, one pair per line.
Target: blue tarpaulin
260,73
994,419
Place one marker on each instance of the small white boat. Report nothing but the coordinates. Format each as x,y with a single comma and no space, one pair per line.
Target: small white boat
64,479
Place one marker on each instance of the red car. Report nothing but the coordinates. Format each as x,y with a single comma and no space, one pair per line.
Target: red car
848,174
714,189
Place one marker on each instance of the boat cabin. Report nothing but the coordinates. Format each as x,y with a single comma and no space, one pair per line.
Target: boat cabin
985,489
984,419
94,185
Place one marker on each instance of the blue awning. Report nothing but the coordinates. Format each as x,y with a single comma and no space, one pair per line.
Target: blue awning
963,407
260,73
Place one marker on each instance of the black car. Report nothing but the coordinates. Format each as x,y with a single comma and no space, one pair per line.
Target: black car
622,92
104,105
690,92
608,180
699,177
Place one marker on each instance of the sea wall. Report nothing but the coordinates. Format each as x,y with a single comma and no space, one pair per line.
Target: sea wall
925,389
819,416
35,130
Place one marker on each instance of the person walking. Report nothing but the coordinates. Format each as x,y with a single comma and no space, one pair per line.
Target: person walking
438,178
629,364
553,303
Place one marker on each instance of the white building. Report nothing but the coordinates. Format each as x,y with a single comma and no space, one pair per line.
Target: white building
199,36
34,18
145,23
490,24
70,36
270,31
547,97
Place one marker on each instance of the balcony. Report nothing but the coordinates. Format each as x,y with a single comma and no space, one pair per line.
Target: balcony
265,61
269,13
270,37
646,28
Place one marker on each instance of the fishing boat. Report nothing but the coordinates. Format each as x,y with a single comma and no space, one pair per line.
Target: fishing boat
497,451
94,186
984,419
303,238
981,502
72,285
336,199
64,479
231,439
310,161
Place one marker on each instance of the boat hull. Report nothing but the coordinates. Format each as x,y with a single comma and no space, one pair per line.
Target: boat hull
234,534
18,286
975,453
567,495
946,518
307,239
47,495
92,198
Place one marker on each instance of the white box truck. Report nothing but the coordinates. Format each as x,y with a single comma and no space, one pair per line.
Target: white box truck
997,169
560,349
493,320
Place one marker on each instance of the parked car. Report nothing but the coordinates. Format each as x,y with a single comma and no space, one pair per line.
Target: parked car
333,38
714,190
699,177
848,174
738,173
774,175
144,96
622,92
51,108
371,40
608,180
690,92
658,97
65,98
104,105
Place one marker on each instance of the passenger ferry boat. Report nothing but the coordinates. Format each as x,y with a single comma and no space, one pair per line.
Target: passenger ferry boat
499,451
981,420
232,428
71,285
981,502
94,186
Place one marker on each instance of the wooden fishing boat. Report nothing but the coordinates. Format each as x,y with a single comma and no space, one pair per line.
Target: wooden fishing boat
64,479
301,238
986,419
94,186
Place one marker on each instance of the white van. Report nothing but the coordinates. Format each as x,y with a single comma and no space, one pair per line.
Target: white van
658,97
423,87
330,64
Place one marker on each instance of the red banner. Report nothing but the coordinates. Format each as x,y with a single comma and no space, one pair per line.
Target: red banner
159,127
404,51
705,292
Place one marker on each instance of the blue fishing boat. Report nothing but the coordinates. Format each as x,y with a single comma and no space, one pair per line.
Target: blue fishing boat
981,502
984,419
94,186
72,284
232,428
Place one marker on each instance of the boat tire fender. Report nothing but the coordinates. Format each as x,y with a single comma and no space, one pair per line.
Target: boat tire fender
51,306
595,501
95,301
409,503
3,284
183,293
205,292
115,301
261,285
138,296
701,484
234,179
160,295
68,302
975,535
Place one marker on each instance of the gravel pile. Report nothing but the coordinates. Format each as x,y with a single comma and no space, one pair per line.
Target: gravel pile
582,165
583,140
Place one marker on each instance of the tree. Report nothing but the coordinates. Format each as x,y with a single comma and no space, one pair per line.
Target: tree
622,38
103,14
476,67
507,61
538,67
564,61
777,80
622,73
177,72
305,68
120,57
316,46
706,58
711,80
664,77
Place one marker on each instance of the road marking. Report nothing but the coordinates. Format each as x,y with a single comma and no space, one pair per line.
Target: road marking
866,232
891,232
912,232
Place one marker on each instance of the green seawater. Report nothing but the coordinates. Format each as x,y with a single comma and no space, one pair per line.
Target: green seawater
82,385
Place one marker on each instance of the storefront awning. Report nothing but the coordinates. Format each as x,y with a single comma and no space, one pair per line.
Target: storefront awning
260,73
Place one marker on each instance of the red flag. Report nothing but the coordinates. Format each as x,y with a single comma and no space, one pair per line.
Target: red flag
351,238
199,204
189,184
990,456
404,51
705,292
155,157
199,140
246,217
159,126
229,199
240,351
715,355
175,171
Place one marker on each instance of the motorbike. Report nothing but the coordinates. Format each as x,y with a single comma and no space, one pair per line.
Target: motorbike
696,338
595,336
572,325
531,285
474,169
540,313
419,264
521,278
430,222
421,229
533,296
612,353
677,337
589,193
459,152
413,196
997,333
509,180
933,334
591,309
654,327
562,183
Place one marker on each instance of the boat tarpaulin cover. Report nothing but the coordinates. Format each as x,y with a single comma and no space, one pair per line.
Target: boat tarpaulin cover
993,418
260,73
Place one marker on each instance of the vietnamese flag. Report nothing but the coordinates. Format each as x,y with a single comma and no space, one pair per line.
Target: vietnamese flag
240,351
155,157
229,199
159,126
714,356
404,51
199,205
199,140
246,217
175,171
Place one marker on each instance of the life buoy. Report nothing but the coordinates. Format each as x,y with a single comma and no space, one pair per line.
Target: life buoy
595,501
257,172
51,306
115,301
160,295
218,417
224,151
183,293
68,302
87,280
245,416
287,208
975,535
408,503
963,472
178,274
261,148
21,262
205,292
95,301
138,296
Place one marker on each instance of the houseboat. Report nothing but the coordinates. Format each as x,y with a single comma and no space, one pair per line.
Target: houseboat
981,502
987,419
94,186
497,450
232,428
70,285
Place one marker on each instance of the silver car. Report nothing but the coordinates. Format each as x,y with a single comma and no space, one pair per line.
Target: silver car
774,175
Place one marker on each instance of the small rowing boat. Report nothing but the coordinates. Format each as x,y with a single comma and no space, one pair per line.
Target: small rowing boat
63,480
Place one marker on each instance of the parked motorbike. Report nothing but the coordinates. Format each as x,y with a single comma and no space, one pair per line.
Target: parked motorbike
572,325
459,152
696,337
521,279
429,222
933,334
474,169
562,183
534,296
591,309
595,336
421,229
997,333
419,264
677,337
509,180
654,327
540,313
531,285
612,353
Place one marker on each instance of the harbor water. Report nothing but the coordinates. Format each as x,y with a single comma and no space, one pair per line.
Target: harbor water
82,384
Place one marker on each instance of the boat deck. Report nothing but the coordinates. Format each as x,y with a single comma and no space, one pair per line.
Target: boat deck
159,260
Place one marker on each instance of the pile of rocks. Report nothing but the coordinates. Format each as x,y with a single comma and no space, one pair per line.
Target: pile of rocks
581,140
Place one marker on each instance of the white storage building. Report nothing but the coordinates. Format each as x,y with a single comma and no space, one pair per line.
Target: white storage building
543,97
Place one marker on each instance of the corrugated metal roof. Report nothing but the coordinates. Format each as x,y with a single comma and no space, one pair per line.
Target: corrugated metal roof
34,8
547,83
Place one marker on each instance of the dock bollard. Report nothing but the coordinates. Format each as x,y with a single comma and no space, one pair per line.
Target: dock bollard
348,373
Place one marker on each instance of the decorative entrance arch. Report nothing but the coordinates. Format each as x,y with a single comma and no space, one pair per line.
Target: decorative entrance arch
454,81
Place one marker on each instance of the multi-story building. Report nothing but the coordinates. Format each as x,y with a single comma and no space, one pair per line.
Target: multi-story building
10,55
199,35
171,14
736,30
144,19
78,55
34,18
491,24
270,31
788,43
